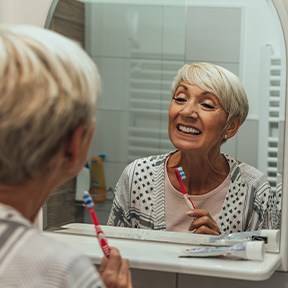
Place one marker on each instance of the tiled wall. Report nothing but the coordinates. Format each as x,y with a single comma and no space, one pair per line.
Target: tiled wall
138,49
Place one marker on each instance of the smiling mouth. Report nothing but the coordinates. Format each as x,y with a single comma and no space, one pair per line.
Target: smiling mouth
188,130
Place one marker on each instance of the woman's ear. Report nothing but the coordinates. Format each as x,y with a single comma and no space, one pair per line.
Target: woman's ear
73,145
78,144
232,128
73,154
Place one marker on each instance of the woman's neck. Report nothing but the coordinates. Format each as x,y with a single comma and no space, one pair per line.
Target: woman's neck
37,191
203,174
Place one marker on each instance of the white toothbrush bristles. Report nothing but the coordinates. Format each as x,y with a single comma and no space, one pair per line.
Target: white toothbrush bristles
182,174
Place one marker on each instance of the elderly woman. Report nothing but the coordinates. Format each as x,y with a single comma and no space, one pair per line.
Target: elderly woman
208,106
48,92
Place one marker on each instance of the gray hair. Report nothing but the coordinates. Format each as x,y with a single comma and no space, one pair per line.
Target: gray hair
48,87
218,81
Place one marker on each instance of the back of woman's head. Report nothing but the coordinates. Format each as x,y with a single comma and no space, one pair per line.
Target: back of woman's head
48,86
219,82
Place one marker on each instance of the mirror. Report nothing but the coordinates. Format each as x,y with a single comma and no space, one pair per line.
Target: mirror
138,47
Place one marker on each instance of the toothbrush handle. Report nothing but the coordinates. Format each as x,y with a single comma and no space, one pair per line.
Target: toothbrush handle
189,202
100,234
103,241
183,190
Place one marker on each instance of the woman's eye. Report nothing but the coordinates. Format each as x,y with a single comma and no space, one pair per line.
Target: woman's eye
208,106
179,99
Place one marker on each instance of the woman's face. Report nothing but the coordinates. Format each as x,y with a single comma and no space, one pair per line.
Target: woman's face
196,120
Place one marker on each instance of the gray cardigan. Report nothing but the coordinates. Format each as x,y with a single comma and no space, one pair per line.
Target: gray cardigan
140,198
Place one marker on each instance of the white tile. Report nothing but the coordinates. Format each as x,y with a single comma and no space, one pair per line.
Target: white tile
125,31
146,32
93,28
111,135
174,32
110,35
247,146
213,34
115,76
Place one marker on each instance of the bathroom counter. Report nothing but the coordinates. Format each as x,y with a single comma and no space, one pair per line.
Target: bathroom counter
163,256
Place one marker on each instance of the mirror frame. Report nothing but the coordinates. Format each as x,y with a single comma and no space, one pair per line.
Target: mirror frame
281,7
50,13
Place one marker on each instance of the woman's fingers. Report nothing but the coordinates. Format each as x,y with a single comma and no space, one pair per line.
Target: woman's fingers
124,276
205,230
115,271
203,223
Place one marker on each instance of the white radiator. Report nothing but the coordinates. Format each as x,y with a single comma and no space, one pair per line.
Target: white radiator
149,98
271,115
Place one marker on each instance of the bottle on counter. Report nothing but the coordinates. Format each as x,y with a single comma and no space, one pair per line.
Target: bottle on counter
97,179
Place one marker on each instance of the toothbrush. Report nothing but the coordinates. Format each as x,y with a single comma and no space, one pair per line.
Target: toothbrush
181,176
89,203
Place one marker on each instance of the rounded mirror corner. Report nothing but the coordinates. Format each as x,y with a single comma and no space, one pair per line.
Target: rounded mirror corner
106,54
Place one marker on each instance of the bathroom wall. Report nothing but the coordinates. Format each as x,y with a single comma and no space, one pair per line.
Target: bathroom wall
138,49
17,11
34,12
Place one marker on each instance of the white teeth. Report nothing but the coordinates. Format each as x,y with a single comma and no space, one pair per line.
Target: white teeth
189,130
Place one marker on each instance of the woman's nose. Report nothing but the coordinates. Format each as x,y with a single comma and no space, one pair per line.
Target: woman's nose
190,110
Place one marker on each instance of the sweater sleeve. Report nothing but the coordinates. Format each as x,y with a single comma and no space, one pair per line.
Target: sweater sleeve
119,214
83,274
273,217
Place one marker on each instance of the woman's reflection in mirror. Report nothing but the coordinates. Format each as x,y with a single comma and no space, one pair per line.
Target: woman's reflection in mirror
207,108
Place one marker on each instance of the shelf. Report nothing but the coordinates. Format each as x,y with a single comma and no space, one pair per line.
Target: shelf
160,256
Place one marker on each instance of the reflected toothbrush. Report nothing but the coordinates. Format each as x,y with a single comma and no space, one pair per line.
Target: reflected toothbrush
89,204
181,176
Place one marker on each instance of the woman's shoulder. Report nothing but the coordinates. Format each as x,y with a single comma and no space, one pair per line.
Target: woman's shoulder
245,171
48,252
144,166
152,160
55,249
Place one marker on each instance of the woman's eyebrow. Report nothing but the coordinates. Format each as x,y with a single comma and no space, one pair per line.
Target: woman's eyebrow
203,94
182,86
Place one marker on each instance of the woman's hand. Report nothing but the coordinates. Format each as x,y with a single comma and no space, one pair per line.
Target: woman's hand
203,223
115,271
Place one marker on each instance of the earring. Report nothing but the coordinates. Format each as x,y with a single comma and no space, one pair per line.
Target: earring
225,136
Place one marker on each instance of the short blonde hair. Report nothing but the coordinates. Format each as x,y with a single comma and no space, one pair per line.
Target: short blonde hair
48,87
218,81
